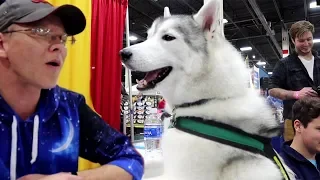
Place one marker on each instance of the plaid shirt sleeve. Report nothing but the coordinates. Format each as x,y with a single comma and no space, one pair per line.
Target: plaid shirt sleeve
102,144
278,77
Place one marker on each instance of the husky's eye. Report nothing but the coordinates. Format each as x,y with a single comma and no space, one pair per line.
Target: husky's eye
168,37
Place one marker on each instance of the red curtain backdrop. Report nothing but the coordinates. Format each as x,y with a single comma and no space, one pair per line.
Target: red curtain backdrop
108,23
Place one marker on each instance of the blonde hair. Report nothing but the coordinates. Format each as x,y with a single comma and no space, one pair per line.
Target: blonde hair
299,28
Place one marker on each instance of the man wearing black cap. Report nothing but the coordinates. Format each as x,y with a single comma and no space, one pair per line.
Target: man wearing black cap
43,127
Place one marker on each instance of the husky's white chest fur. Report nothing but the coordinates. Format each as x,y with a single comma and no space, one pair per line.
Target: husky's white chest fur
188,59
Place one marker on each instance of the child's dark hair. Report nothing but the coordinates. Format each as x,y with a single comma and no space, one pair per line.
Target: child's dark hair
305,110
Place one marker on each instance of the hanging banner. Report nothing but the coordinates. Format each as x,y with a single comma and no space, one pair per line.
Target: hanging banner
256,79
285,43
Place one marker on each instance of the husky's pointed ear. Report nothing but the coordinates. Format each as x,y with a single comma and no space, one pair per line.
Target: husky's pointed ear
166,12
208,15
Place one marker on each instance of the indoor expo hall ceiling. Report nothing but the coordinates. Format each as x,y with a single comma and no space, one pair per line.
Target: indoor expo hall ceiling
249,22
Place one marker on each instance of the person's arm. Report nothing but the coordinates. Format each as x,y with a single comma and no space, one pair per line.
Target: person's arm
106,172
58,176
282,94
102,144
277,83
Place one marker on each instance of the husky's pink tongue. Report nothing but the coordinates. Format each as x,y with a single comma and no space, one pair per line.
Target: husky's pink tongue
152,75
149,77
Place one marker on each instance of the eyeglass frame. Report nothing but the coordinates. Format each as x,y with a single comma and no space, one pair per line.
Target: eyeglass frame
46,31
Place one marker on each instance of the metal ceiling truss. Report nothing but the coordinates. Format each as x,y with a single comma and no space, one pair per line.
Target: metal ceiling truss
189,6
305,10
264,22
247,37
142,13
240,30
255,21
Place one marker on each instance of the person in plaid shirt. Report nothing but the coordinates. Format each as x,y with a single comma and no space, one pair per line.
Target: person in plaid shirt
297,75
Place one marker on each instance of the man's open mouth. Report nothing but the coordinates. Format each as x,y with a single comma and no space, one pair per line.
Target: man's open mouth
152,78
54,63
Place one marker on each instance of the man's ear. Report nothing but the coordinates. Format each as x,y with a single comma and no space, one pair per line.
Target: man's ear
3,52
292,40
297,125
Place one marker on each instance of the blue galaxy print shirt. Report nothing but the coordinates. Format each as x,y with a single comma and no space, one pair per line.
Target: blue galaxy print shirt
62,129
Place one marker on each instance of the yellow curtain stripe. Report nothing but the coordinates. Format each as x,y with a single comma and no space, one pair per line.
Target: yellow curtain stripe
75,74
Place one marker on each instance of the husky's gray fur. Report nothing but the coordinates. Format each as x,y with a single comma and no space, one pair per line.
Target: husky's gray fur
205,66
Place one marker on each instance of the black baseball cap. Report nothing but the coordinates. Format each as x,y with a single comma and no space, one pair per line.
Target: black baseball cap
27,11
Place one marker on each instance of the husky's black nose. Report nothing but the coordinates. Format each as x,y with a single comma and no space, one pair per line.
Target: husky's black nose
125,55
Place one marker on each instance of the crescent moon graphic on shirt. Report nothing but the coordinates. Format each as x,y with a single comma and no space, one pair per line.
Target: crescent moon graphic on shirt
68,141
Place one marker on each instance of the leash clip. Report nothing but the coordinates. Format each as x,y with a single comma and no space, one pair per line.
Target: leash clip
173,121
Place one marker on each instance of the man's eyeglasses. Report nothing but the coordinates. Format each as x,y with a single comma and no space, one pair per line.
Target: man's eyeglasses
45,32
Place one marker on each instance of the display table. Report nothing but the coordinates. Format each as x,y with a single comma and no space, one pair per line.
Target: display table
153,164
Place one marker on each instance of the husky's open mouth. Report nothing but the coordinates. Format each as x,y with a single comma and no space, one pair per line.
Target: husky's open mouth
152,78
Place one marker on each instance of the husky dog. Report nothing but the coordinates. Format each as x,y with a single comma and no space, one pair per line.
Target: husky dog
190,62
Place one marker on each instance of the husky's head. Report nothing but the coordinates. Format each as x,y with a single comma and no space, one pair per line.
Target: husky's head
187,58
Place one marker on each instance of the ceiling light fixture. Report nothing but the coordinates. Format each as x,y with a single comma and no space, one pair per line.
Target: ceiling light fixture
225,21
133,38
261,63
316,40
313,5
246,49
